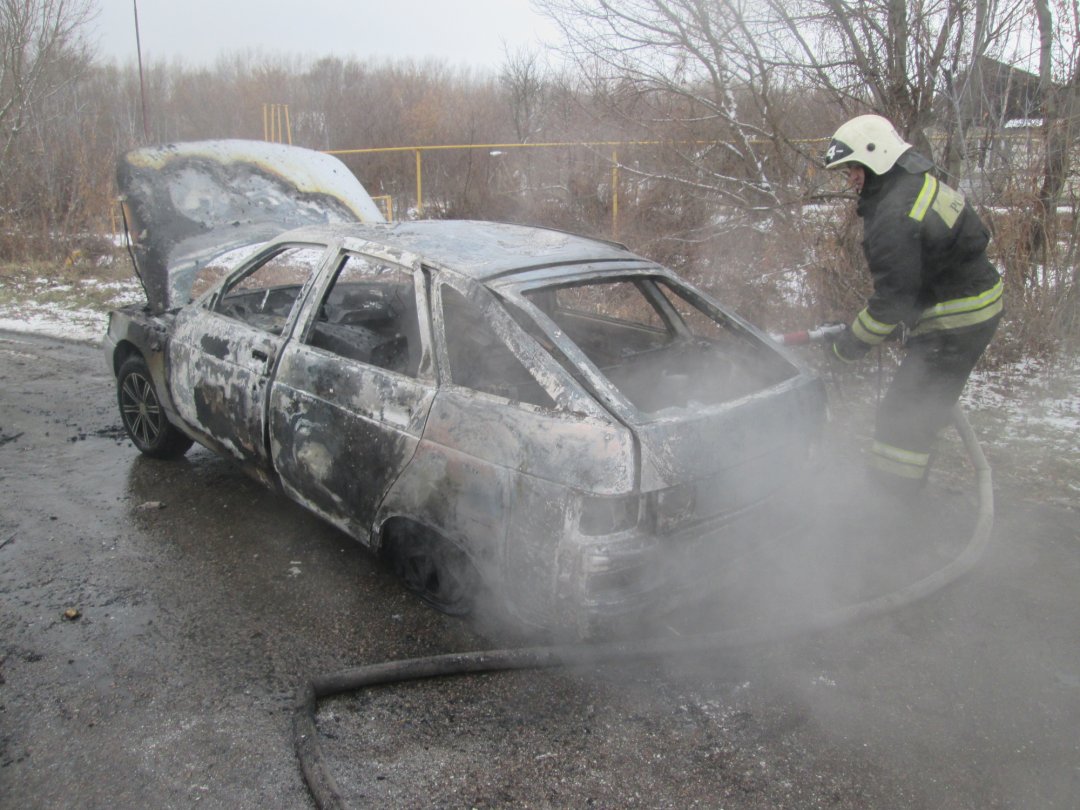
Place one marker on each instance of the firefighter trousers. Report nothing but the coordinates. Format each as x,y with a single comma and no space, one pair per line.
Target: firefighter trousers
919,400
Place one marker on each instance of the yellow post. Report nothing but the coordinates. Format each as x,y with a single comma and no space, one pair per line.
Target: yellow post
277,126
419,187
388,204
614,194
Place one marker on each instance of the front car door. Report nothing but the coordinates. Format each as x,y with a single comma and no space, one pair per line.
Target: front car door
223,353
352,391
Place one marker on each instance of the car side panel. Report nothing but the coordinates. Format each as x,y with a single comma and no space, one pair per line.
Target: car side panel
218,370
581,452
458,497
133,329
500,478
341,431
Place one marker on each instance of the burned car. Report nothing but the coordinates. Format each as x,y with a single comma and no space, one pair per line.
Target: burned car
548,419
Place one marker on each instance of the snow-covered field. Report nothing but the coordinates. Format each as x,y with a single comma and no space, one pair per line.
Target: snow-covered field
77,310
1027,414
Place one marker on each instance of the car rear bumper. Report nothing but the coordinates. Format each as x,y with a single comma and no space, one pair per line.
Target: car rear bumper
618,582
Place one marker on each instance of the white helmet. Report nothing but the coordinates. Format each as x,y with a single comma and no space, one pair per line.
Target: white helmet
869,140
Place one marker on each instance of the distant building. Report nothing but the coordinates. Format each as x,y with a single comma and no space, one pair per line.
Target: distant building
1000,113
992,94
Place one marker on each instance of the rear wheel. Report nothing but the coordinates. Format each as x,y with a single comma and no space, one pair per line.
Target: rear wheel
433,568
144,418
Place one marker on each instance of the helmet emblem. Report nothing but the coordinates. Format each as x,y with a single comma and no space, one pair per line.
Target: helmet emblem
837,151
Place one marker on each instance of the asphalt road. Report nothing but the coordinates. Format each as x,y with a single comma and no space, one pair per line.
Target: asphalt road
205,601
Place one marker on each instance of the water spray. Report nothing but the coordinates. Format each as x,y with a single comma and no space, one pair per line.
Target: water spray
816,335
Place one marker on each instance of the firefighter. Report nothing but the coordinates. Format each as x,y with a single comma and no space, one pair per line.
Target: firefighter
934,289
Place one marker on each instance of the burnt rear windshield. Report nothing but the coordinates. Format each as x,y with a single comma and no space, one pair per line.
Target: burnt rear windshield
659,344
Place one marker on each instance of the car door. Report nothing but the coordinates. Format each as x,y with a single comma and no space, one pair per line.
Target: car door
510,436
352,391
223,353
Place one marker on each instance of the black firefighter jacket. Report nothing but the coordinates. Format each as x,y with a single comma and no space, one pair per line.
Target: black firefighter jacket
926,248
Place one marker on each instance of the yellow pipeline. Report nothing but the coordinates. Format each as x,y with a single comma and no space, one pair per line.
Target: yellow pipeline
419,150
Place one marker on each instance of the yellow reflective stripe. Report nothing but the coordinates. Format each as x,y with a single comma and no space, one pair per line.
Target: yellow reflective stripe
896,468
966,304
873,325
926,196
870,330
962,312
959,320
898,461
900,454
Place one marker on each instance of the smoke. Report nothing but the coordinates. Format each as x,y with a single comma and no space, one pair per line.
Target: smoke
762,543
841,540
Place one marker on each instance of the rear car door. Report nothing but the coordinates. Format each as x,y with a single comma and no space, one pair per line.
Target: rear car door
223,353
509,439
352,391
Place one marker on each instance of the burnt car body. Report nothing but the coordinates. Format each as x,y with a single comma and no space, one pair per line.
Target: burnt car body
558,419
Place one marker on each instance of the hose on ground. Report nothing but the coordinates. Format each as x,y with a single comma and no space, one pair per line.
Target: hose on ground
324,788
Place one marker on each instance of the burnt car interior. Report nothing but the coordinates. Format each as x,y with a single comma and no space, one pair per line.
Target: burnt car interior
264,295
266,309
480,359
369,315
656,346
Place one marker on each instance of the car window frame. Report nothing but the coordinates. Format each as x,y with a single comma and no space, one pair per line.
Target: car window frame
562,389
373,252
609,395
213,297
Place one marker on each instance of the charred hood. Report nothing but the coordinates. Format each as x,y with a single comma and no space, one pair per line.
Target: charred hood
187,203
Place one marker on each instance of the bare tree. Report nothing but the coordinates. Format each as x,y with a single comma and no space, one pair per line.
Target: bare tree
680,70
38,40
524,79
735,65
1059,82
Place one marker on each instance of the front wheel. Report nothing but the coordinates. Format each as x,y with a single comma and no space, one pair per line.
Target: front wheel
144,418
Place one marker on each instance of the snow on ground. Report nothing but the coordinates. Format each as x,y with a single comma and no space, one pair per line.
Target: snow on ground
1028,417
53,320
1050,400
64,311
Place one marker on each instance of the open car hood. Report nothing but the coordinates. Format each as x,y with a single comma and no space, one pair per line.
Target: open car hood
187,203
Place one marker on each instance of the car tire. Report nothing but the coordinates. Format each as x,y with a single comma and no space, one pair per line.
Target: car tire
434,568
143,417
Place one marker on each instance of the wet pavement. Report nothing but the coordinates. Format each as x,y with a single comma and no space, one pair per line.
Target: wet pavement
204,601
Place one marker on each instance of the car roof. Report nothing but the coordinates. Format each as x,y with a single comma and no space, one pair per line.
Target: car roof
481,250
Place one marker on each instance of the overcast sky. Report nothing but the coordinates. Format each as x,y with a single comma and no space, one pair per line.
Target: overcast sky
458,32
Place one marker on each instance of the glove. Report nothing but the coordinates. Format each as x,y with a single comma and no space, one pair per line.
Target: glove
845,349
835,358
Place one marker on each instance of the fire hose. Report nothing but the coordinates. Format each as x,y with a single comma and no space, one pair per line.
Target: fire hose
325,790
